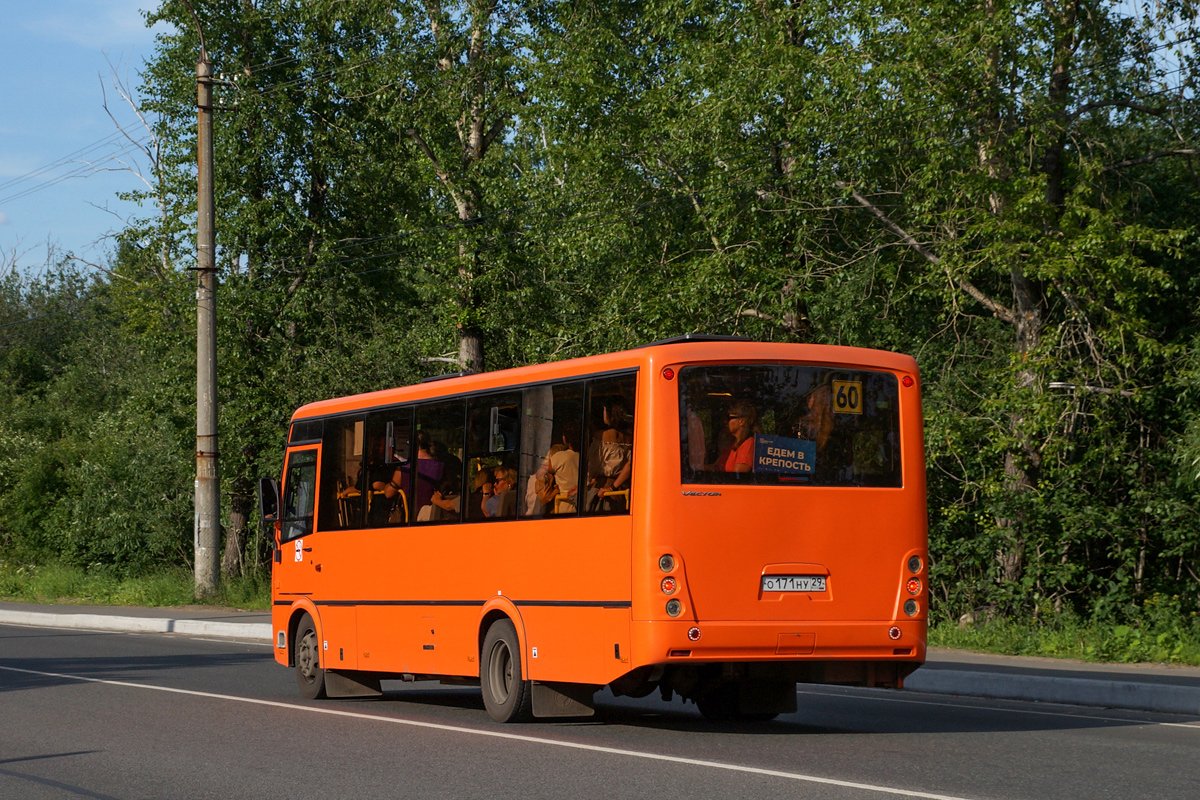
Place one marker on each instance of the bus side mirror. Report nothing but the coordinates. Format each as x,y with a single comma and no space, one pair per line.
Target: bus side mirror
268,499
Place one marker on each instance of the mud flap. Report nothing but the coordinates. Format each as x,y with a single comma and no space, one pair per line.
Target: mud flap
563,699
351,684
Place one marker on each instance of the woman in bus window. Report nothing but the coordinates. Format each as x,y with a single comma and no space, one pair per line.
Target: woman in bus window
615,454
816,423
502,501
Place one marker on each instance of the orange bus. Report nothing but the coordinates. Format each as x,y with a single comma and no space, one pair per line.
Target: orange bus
710,517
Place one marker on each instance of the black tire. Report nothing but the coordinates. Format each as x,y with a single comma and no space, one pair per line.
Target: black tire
719,705
506,695
306,652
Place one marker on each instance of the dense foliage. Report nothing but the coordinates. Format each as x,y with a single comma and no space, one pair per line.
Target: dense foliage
1004,188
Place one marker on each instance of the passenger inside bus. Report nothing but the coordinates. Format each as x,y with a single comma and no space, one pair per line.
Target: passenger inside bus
743,423
611,460
501,502
541,489
395,488
443,504
563,469
382,479
816,423
481,488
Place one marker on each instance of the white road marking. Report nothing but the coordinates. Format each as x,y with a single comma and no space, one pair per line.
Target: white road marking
1038,712
232,641
693,762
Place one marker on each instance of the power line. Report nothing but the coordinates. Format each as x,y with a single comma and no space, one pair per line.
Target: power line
84,169
59,162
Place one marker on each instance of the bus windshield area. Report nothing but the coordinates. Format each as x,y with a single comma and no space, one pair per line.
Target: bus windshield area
789,425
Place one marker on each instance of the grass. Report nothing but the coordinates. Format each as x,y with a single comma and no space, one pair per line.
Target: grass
1156,634
59,583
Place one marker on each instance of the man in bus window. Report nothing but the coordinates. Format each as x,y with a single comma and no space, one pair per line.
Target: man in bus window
739,455
743,424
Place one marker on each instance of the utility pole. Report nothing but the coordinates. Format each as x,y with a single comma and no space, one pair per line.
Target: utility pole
208,483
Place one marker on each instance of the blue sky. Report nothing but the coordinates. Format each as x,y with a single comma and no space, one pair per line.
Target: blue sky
53,56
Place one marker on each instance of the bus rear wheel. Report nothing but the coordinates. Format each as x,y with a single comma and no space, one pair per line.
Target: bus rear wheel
723,704
506,695
309,675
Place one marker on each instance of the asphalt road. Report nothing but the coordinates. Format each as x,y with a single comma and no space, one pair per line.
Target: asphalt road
108,715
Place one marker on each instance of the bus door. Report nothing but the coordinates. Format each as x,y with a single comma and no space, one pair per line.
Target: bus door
296,520
295,571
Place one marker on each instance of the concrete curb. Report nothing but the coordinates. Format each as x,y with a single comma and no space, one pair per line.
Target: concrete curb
1133,695
258,631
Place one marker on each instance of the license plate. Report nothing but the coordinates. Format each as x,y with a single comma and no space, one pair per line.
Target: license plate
793,583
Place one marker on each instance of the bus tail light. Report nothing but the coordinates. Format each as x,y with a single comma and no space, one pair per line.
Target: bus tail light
907,381
914,564
913,585
668,585
674,608
668,373
666,562
894,633
911,607
693,634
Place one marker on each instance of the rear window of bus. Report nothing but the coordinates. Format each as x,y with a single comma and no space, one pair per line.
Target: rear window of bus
788,425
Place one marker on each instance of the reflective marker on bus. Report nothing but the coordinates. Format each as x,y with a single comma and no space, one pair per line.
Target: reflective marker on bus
709,518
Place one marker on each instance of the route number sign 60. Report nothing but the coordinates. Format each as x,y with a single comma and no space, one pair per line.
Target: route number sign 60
847,397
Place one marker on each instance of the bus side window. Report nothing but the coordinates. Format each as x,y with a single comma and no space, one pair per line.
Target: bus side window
550,448
438,462
385,479
341,506
299,494
609,473
493,431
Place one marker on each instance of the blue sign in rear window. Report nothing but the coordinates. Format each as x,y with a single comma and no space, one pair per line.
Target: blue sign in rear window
788,456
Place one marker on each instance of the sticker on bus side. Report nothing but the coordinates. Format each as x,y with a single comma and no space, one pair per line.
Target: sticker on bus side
847,397
783,455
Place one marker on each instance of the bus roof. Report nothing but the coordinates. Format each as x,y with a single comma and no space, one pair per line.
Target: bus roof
679,350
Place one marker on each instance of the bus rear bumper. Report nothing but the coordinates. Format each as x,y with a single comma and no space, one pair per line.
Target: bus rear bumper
761,662
678,641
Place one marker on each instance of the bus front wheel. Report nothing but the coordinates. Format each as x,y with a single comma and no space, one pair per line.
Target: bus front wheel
309,675
506,695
